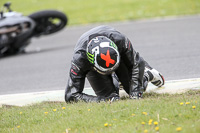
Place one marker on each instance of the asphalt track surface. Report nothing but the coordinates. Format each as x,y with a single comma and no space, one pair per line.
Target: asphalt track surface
170,45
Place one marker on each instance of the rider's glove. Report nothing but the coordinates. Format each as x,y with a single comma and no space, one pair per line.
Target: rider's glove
112,97
136,93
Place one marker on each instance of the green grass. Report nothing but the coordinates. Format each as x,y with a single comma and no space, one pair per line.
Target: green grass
90,11
91,117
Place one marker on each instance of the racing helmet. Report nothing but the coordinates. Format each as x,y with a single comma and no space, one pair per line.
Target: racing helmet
103,54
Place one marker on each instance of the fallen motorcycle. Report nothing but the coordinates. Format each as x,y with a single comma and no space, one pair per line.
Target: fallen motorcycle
17,30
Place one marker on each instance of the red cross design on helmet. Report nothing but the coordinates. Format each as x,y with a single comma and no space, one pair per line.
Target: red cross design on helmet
107,58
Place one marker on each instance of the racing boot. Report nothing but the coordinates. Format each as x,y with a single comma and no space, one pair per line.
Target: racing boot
154,76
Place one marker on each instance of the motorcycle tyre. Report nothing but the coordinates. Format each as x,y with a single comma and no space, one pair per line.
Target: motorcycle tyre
42,28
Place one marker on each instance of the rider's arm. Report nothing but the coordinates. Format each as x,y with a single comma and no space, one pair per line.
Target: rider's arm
133,62
75,85
136,65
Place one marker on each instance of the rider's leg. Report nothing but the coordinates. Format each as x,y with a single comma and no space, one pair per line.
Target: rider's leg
153,76
101,84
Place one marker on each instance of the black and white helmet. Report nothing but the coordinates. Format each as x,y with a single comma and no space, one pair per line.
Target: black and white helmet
103,54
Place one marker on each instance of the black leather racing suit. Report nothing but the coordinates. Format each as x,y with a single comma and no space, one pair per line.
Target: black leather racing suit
130,71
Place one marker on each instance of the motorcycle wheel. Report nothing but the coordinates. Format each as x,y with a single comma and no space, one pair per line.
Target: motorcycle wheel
48,22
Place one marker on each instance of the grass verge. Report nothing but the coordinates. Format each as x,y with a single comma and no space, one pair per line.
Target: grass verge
163,112
90,11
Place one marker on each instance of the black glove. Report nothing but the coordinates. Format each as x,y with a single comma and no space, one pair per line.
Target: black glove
113,97
136,93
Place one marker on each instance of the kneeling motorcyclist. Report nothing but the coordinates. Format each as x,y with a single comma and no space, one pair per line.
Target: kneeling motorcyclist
106,57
